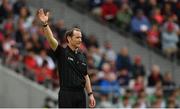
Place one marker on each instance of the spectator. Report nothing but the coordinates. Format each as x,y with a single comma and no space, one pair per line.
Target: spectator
123,60
44,57
110,54
151,4
109,85
109,10
157,17
92,41
140,24
123,17
139,84
96,57
25,16
123,77
170,37
5,10
141,99
157,99
43,74
168,12
18,5
125,103
154,76
138,67
106,71
104,102
153,36
168,84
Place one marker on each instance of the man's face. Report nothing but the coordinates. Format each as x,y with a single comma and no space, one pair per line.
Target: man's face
76,39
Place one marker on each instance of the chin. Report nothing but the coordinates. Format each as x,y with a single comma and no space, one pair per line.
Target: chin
77,46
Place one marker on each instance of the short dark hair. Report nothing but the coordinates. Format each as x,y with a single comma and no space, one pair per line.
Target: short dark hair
70,32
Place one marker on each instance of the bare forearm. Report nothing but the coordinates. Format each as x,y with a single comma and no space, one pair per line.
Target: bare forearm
49,36
88,84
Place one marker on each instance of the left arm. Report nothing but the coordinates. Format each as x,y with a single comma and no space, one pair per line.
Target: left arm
88,84
92,101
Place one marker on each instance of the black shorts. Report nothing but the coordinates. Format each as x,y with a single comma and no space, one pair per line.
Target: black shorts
71,98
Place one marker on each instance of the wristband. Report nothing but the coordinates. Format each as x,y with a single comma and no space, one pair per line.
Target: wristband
90,93
45,24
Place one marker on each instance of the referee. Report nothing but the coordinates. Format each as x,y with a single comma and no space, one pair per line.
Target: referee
72,67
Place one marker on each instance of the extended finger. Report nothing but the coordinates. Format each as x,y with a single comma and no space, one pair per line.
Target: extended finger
41,11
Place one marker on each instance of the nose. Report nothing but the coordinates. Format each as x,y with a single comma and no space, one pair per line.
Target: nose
80,39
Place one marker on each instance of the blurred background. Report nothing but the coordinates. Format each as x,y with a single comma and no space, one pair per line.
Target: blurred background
132,48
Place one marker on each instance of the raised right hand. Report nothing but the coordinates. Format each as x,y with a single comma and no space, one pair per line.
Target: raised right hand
43,17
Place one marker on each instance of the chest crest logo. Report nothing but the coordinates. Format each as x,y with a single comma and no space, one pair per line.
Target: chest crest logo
70,58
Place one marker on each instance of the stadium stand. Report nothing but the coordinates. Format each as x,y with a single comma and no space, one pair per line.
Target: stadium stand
118,79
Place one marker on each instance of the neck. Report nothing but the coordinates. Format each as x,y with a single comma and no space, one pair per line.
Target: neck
72,47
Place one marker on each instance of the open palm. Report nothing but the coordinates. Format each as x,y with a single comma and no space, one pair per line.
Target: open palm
43,17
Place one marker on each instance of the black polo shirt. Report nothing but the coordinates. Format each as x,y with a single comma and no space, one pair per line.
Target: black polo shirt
72,67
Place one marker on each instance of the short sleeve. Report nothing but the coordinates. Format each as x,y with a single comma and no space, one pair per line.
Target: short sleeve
59,52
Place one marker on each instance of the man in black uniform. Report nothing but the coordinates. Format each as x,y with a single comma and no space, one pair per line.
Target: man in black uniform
72,67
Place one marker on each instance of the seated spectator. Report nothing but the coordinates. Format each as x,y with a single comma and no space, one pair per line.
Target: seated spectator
151,4
110,54
123,77
25,16
158,99
44,57
123,16
157,17
167,11
123,60
5,10
168,84
109,85
95,58
172,101
153,36
92,41
125,103
140,24
139,84
138,67
154,76
18,5
170,37
141,99
104,101
105,72
43,74
109,10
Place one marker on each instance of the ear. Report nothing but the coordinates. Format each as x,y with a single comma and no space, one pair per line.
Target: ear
68,38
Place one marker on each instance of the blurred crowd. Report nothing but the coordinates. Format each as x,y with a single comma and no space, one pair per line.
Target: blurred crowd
154,22
118,79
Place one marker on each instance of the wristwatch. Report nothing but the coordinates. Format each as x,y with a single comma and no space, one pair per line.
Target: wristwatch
90,93
45,24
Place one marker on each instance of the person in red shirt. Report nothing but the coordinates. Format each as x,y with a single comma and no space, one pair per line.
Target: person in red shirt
109,10
153,36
